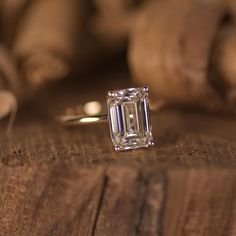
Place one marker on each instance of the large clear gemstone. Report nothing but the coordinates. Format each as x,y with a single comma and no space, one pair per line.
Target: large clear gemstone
129,117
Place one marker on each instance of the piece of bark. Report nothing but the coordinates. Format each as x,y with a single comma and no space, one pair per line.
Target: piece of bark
224,61
43,43
169,50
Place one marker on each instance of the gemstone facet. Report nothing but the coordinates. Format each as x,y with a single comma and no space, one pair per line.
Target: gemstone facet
129,118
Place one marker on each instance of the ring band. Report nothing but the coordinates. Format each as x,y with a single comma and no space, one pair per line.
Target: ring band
128,116
72,120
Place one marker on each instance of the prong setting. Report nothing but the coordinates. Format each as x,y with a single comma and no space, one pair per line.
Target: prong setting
145,89
110,94
117,148
151,143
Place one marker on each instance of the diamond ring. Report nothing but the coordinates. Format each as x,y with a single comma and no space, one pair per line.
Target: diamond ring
128,116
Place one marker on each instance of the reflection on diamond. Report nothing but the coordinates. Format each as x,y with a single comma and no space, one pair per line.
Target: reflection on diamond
129,117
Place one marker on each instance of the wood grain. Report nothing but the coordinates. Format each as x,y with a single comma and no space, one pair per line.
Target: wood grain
58,181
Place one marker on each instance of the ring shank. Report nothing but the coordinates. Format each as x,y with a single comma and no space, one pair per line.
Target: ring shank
73,120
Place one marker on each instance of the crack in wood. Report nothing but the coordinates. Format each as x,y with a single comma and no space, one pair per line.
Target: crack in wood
144,186
100,203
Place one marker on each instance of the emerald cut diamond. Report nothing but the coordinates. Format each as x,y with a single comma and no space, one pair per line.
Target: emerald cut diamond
129,118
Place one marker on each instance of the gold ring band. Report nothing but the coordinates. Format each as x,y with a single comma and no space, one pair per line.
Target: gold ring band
72,120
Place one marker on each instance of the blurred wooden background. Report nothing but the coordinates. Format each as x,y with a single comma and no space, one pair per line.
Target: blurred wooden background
58,181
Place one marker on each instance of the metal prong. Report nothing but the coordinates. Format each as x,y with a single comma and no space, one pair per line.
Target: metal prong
145,89
110,94
151,143
82,119
117,148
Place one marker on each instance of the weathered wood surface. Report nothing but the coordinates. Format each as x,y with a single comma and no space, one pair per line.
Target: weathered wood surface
57,181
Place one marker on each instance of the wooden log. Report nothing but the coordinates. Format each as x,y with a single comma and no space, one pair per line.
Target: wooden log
57,181
170,49
43,42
